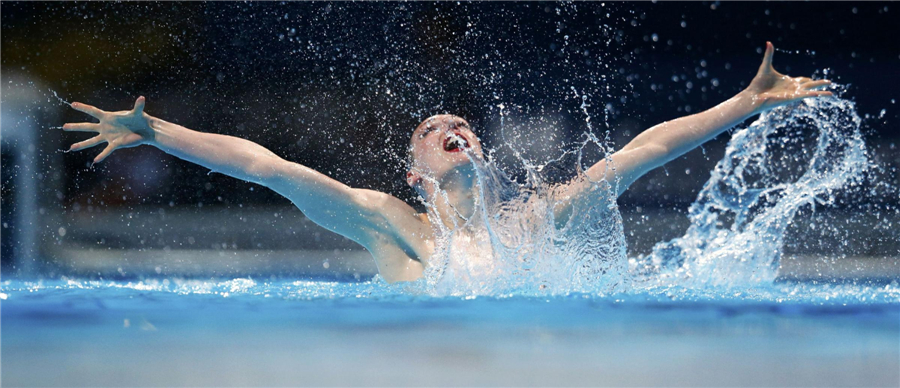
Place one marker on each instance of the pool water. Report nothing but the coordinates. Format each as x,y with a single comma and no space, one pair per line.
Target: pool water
176,332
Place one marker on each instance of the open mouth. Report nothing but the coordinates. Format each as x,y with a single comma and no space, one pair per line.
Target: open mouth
456,142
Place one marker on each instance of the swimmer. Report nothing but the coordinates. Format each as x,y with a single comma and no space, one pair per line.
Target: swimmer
401,240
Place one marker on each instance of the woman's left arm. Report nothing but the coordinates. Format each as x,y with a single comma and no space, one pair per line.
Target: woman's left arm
669,140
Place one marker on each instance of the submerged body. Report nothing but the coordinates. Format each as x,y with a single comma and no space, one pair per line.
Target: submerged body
446,157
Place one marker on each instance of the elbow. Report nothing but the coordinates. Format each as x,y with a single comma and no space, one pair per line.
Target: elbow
657,151
263,170
656,155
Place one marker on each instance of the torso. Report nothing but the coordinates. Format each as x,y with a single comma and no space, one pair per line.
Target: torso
407,240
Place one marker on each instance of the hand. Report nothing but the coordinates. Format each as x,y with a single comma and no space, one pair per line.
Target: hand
771,89
123,129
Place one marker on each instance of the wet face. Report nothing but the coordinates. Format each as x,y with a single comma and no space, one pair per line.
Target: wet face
438,145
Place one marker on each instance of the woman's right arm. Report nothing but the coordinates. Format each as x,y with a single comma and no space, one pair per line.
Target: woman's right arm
355,213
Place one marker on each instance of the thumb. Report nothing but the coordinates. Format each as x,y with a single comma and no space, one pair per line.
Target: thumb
139,105
767,57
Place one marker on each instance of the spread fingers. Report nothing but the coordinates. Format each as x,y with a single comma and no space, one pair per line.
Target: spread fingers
91,110
81,127
106,151
86,144
811,85
818,93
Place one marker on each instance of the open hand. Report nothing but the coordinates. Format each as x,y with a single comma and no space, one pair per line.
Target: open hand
123,129
771,89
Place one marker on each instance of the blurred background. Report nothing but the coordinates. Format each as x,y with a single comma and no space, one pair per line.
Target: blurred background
339,87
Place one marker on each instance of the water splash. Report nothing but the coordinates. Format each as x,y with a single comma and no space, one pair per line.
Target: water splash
61,100
514,244
787,160
531,238
811,53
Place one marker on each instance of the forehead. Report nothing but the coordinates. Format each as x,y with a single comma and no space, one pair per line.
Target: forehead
438,120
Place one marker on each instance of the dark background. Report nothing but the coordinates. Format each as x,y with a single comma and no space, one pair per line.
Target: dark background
340,86
300,77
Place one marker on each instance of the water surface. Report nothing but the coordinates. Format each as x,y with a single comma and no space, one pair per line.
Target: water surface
252,332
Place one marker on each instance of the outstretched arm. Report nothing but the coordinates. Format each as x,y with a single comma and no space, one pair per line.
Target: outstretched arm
355,213
669,140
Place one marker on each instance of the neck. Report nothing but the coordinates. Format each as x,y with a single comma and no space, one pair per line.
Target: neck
454,200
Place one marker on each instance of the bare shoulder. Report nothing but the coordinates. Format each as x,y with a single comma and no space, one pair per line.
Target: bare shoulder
579,194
